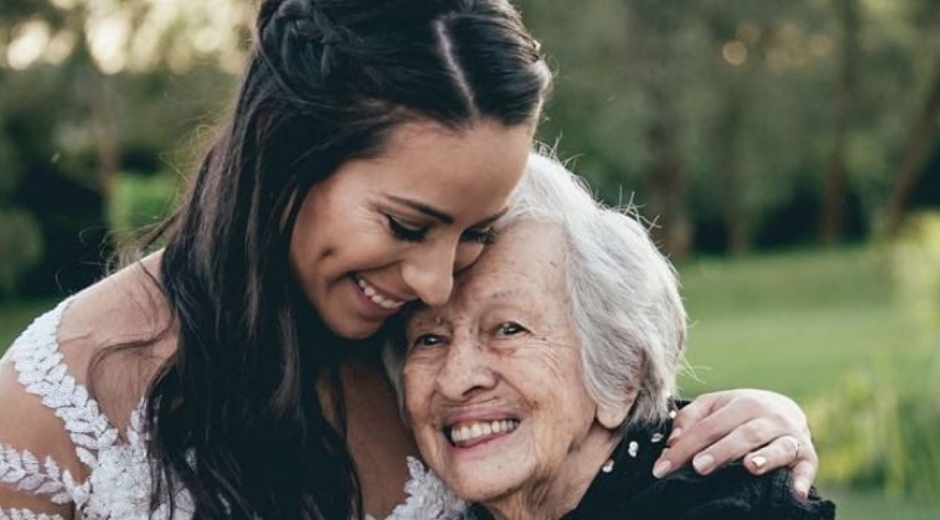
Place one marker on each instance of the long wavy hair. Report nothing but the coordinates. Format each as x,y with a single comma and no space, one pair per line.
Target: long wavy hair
234,416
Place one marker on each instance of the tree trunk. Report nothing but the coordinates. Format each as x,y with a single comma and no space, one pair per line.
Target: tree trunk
107,147
654,26
916,152
733,211
833,202
94,89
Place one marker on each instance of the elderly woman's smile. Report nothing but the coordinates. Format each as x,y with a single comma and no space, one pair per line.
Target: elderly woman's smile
493,380
464,434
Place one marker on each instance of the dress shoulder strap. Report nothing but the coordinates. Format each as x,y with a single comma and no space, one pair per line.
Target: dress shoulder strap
42,371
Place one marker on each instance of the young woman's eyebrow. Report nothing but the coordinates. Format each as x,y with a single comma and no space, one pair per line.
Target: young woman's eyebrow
423,208
440,215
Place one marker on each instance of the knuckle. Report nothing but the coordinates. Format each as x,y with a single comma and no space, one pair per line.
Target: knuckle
781,420
754,432
751,405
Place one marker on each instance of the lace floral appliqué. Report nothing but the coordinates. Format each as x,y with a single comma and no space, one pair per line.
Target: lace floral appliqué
428,497
119,482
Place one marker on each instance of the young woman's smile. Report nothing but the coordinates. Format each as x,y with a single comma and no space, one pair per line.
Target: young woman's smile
381,232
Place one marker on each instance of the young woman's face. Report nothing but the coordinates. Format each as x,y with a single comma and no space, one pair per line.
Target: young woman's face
384,231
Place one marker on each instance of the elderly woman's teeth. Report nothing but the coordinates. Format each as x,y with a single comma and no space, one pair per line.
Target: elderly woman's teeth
470,431
377,298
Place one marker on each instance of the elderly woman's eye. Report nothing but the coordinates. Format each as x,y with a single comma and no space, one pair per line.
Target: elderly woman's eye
510,329
427,341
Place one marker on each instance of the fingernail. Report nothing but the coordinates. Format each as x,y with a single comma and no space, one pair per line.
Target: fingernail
703,463
676,432
801,491
661,468
759,461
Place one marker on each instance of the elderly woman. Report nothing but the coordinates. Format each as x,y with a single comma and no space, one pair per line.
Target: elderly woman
542,389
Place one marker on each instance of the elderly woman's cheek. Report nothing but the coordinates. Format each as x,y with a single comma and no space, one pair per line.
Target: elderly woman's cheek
415,393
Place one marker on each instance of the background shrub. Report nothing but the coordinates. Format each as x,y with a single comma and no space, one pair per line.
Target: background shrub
21,248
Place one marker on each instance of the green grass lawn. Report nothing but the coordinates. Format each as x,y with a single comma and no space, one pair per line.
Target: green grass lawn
854,505
795,322
798,323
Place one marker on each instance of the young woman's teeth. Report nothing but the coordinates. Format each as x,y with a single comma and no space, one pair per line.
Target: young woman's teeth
467,432
377,298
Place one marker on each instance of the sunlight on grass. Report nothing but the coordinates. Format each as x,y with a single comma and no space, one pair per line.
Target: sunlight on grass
797,322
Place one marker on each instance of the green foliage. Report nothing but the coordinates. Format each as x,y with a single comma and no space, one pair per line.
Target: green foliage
872,434
21,248
15,316
873,428
917,269
139,202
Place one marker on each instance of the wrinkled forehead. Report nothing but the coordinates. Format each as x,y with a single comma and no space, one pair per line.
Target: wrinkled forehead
526,263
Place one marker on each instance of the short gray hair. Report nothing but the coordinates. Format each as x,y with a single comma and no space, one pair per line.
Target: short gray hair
624,295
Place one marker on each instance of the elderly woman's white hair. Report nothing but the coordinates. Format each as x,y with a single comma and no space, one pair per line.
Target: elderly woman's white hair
624,298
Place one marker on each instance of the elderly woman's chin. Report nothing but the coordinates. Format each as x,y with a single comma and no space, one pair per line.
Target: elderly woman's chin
487,470
535,455
487,467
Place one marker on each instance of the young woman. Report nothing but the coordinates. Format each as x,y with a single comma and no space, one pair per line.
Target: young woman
235,373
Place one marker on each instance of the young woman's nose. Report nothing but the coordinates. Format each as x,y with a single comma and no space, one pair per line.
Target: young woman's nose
429,273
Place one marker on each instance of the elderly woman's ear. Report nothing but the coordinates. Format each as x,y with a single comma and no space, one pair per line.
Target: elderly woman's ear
613,415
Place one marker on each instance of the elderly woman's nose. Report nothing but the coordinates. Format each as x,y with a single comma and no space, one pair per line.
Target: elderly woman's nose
429,272
465,370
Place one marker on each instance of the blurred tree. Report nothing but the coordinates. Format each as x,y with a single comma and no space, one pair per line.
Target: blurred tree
88,87
655,27
21,246
722,119
917,150
834,173
749,115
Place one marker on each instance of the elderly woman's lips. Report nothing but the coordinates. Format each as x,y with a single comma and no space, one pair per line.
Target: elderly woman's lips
470,432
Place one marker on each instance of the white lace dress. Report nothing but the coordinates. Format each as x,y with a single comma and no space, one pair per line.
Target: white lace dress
118,485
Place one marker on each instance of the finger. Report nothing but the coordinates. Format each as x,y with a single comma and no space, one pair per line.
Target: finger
804,473
753,434
705,406
714,415
693,413
782,451
711,444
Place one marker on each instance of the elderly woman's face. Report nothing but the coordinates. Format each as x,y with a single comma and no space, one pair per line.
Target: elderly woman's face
493,380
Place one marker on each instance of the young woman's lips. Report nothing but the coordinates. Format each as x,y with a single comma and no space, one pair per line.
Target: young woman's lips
376,301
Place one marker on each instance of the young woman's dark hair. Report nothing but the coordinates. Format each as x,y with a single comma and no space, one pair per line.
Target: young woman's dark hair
234,416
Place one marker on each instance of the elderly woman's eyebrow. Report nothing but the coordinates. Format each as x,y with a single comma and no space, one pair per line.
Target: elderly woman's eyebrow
423,319
512,295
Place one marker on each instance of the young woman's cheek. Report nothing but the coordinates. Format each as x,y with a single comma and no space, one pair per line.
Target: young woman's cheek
467,253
